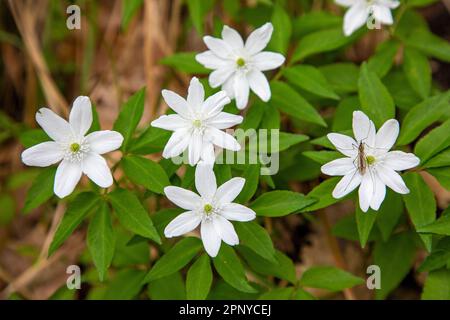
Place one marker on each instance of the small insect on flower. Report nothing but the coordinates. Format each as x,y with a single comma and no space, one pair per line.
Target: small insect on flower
211,209
369,163
237,66
361,10
79,153
198,123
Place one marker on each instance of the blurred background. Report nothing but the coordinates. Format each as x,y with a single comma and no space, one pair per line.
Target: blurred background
117,51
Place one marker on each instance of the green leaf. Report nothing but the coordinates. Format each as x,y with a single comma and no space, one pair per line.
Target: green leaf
101,240
41,190
125,286
277,294
280,203
276,142
395,258
290,102
383,59
33,137
145,172
389,214
404,96
197,11
301,294
176,258
423,115
322,41
442,175
283,268
199,279
322,193
255,237
310,79
364,222
439,257
254,116
440,160
8,205
282,30
129,9
150,141
435,141
429,44
343,114
418,71
330,278
314,21
170,287
322,157
440,226
129,117
437,285
420,203
184,62
229,267
132,214
251,176
342,77
74,215
375,99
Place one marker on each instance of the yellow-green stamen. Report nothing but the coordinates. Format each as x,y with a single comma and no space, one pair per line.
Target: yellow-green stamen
370,160
208,208
197,123
74,147
240,62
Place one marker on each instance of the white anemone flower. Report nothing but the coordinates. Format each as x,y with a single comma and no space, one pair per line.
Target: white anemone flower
360,10
237,66
79,153
212,209
369,163
198,123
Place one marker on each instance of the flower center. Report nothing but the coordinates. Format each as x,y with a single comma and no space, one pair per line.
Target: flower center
75,147
197,123
370,160
208,209
240,62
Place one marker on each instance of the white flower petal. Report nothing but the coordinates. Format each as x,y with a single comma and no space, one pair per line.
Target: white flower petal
67,176
241,90
171,122
177,143
218,46
182,224
222,139
177,103
196,94
56,127
80,118
259,39
195,147
104,141
344,144
214,104
96,168
259,84
379,193
266,60
183,198
365,191
228,191
399,160
205,181
382,14
208,155
225,120
211,61
43,154
228,86
355,17
346,3
225,230
232,37
338,167
392,179
219,76
387,135
363,128
347,184
389,3
210,238
237,212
